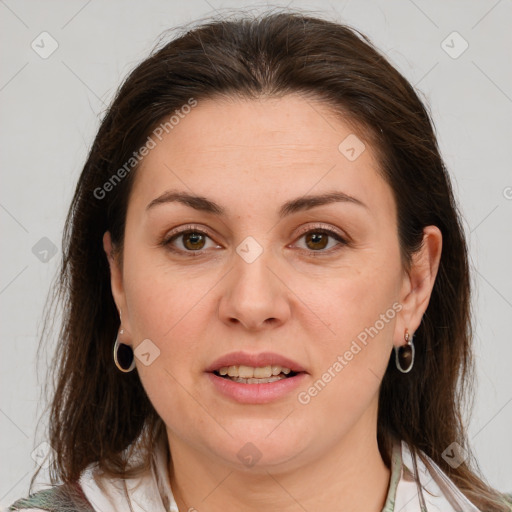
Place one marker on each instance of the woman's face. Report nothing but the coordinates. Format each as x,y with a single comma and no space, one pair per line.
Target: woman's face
231,248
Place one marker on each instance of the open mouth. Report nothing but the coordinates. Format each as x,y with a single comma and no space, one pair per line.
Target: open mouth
253,384
249,375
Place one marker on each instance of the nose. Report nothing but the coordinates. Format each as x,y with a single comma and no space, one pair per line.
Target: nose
255,295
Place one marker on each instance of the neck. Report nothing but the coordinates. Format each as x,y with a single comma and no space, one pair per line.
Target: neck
350,477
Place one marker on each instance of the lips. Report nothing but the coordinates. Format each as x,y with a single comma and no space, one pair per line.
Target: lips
255,360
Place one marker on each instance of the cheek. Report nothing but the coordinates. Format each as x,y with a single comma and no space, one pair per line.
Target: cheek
355,296
166,307
360,306
161,297
350,361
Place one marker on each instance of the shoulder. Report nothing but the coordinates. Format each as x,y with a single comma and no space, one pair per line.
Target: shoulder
60,498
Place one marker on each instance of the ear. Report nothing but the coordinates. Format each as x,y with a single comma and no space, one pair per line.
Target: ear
418,283
116,279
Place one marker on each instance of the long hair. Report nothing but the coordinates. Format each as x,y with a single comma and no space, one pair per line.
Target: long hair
99,414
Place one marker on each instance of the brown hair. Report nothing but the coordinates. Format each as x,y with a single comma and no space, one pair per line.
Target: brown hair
98,413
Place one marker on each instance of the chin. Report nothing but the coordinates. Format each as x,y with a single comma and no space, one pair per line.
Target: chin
258,451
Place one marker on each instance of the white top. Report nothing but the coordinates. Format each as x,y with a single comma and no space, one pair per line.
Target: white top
153,492
432,491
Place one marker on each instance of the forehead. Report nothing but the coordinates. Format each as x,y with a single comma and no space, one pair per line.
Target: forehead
291,124
271,146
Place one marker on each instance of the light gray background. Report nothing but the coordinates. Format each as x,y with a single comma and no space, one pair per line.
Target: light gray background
51,110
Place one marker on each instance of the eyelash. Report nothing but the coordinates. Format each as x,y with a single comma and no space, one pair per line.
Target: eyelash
167,242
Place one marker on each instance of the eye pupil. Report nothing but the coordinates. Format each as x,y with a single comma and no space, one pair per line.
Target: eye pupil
319,240
194,239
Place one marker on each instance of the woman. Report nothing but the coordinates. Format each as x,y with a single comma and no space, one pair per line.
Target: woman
266,288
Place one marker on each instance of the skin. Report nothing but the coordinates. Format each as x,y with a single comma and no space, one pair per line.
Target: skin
250,157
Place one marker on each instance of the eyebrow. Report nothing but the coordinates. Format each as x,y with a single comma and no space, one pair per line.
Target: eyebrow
201,203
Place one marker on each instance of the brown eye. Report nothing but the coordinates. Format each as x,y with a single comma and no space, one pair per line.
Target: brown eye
321,241
316,240
193,240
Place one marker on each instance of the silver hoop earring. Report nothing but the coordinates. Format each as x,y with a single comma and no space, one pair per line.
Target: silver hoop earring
123,356
404,354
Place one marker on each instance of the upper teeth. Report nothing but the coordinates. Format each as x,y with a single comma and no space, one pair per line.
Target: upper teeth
248,372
